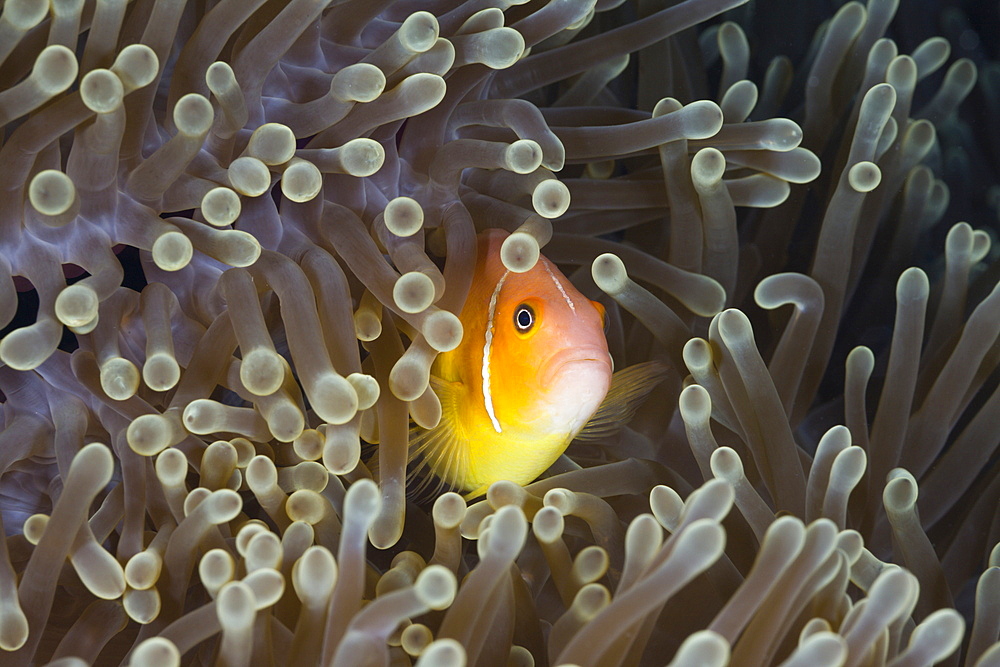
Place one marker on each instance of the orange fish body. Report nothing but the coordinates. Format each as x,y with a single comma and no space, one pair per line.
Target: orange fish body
532,369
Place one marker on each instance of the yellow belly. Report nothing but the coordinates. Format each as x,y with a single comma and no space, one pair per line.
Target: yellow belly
465,451
510,455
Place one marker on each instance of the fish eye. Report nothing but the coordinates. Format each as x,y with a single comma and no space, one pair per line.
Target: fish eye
524,317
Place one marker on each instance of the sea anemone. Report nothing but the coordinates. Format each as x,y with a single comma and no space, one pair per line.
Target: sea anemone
235,234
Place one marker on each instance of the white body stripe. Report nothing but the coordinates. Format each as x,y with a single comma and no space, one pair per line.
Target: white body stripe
569,302
487,397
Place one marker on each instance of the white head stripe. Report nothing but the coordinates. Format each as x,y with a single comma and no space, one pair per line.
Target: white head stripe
487,397
569,302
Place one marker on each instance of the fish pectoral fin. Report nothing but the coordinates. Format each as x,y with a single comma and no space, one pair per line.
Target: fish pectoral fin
442,451
629,388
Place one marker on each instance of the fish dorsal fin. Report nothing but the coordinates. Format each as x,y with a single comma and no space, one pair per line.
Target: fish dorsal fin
629,388
441,447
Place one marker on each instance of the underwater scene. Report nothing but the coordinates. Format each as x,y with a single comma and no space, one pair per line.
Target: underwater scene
501,333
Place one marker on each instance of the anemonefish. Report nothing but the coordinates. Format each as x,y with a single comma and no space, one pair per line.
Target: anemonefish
532,373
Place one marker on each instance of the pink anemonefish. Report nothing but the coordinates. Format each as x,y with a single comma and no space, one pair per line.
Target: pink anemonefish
532,373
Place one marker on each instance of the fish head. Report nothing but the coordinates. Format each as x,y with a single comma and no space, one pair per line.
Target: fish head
549,354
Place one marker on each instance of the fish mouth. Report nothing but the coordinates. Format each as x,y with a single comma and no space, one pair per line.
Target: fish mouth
558,362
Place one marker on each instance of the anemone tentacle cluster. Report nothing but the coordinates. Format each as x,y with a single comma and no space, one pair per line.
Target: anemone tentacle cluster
182,473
